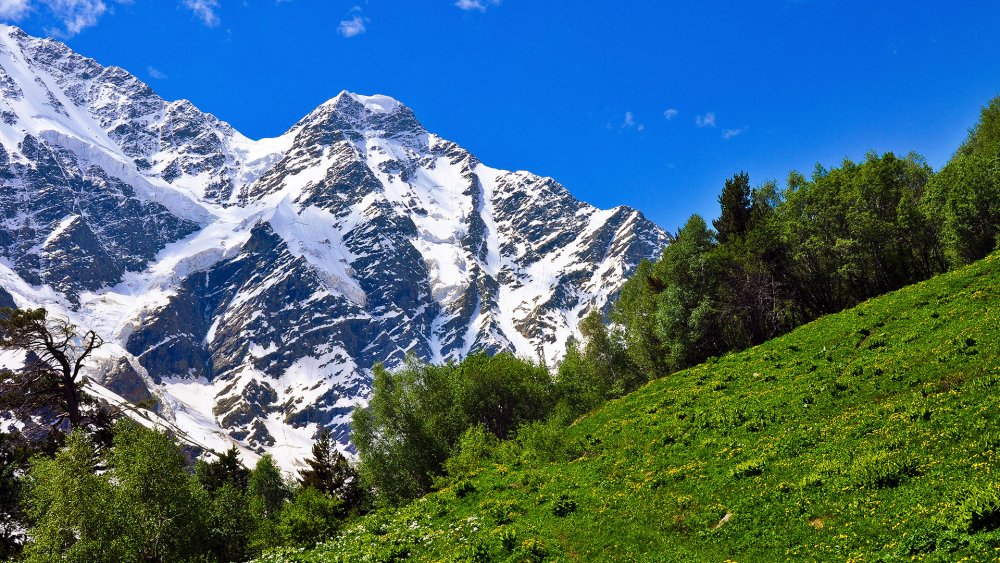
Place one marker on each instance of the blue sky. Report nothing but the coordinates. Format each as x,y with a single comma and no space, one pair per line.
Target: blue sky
649,103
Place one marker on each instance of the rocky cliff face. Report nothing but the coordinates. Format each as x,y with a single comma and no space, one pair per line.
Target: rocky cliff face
250,285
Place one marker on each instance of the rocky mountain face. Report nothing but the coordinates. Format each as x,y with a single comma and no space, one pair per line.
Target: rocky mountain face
249,286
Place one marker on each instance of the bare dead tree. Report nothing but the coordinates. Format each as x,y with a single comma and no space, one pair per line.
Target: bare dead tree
50,379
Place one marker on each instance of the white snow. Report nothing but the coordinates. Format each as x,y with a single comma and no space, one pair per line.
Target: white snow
440,194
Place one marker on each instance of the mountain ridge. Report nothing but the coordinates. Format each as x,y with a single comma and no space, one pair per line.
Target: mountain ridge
250,285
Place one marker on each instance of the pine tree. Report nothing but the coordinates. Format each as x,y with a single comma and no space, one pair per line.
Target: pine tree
228,469
734,201
329,472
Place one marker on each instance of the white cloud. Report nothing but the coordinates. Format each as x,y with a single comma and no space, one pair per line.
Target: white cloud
670,114
480,5
14,9
707,120
204,10
629,122
75,15
155,73
730,133
352,27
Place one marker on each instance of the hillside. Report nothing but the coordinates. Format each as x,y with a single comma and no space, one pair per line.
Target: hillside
868,434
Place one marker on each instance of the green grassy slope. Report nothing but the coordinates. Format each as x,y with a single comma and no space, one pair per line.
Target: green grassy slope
866,435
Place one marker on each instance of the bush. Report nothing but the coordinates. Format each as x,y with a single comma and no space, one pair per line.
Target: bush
977,511
748,468
882,469
564,506
310,517
475,448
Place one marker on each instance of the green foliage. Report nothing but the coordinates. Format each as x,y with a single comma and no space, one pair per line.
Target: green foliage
418,413
166,509
686,312
563,506
635,313
816,445
965,198
72,508
227,469
857,231
145,507
311,516
230,524
267,494
780,259
734,208
330,473
749,468
475,448
882,469
601,371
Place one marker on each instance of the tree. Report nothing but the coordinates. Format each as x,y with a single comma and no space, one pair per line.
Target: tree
227,469
12,460
687,310
578,387
635,313
164,507
71,508
418,412
407,431
734,202
329,472
964,197
500,392
309,517
230,524
51,379
267,493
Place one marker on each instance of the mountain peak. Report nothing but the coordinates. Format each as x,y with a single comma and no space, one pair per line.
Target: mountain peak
252,284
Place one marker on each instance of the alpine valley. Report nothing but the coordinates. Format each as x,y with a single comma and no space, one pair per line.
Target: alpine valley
247,287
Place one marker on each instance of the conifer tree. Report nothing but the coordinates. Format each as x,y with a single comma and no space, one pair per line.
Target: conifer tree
228,469
734,203
329,472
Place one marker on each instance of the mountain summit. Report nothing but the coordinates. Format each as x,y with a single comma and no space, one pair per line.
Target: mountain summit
249,286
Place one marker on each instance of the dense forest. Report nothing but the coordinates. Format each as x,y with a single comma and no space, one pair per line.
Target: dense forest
101,487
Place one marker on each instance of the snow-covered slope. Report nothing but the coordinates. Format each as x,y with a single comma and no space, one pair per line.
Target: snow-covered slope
249,286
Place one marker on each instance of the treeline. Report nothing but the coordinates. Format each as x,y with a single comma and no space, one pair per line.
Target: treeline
779,258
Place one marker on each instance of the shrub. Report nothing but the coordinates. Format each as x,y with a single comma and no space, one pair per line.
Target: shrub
564,506
882,469
311,516
748,468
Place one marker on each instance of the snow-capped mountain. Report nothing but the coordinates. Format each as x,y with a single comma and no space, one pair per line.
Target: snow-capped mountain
249,286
